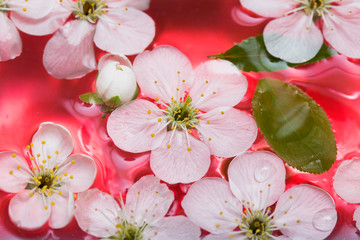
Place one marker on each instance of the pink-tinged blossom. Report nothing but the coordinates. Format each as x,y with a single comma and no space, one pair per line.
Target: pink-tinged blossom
31,16
46,182
241,208
141,217
192,117
346,184
295,35
116,26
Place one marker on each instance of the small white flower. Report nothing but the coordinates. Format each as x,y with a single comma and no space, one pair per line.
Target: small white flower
116,79
240,208
141,218
46,182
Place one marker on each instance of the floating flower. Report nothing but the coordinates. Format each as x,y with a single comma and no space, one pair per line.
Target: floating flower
45,184
142,217
346,184
187,108
30,16
294,35
239,209
116,26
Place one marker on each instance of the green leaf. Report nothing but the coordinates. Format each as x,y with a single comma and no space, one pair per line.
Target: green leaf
294,125
114,102
252,56
91,97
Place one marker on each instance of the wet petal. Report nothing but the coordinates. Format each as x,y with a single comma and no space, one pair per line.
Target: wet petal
210,204
10,41
342,30
174,228
347,180
131,126
293,38
53,142
125,31
138,4
82,172
224,237
227,132
41,26
217,83
107,58
305,211
177,164
166,66
96,213
70,52
32,8
14,172
356,217
62,209
257,178
148,200
269,8
28,212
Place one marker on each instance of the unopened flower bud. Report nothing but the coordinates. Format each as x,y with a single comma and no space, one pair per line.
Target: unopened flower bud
116,84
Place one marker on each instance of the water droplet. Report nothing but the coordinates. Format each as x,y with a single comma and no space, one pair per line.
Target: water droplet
264,172
325,219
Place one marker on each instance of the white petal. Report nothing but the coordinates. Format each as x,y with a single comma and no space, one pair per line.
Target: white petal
32,8
356,217
179,163
10,41
148,200
96,213
269,8
210,204
28,212
257,178
174,228
52,140
347,180
293,38
226,236
63,209
70,52
305,212
138,4
119,58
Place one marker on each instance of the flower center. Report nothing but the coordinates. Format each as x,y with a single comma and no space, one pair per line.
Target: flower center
3,6
128,231
181,115
257,225
89,10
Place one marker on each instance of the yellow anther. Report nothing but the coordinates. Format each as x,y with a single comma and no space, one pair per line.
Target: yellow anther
156,99
159,119
221,213
189,149
41,166
13,155
56,166
60,192
207,121
168,146
155,81
126,9
183,80
43,142
52,203
65,174
307,28
236,219
24,9
177,89
31,144
298,221
71,177
209,139
152,135
11,172
38,155
56,152
222,112
172,127
31,194
18,166
73,162
28,147
189,131
178,72
46,207
48,156
32,158
51,171
43,161
217,225
214,92
202,95
149,111
284,224
290,197
206,81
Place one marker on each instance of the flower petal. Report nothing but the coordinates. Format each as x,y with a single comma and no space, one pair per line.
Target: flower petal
174,228
342,31
62,211
70,52
305,212
10,41
41,26
217,83
148,200
96,213
224,237
32,9
356,217
14,172
293,38
347,180
177,164
124,31
210,204
138,4
227,133
269,8
257,178
53,142
28,212
166,66
131,126
119,58
83,170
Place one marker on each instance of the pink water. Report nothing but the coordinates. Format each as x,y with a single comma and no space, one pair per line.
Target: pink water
29,96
